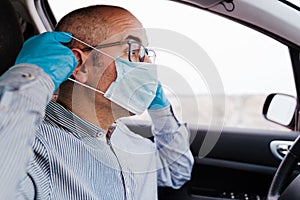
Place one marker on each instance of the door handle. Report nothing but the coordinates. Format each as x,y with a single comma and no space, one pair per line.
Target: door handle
280,148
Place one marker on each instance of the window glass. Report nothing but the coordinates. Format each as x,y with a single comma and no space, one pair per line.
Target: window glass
249,64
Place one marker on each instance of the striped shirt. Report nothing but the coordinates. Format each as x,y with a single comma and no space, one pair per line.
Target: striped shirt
61,156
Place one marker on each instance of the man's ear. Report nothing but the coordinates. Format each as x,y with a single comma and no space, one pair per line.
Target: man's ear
81,72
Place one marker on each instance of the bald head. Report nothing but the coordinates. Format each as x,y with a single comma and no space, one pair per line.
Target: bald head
97,23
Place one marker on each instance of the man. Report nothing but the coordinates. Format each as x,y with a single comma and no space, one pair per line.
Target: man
82,149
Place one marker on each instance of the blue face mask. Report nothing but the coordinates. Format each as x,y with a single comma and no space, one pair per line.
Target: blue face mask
135,86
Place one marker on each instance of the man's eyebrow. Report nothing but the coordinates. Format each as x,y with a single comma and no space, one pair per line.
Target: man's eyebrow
131,37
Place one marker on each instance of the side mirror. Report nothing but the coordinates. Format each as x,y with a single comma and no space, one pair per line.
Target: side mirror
281,109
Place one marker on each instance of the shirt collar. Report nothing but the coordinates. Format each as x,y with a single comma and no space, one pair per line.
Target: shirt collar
72,122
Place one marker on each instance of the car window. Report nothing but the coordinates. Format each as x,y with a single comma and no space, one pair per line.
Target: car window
248,64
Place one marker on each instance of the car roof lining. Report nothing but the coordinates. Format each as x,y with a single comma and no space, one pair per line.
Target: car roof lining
267,22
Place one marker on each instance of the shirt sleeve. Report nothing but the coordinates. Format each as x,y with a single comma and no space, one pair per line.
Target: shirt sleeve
172,142
25,91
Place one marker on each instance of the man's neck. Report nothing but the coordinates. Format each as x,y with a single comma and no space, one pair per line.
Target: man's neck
100,116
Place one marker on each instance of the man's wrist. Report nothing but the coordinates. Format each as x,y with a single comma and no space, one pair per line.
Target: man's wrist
164,119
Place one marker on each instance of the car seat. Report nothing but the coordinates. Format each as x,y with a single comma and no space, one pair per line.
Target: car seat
11,37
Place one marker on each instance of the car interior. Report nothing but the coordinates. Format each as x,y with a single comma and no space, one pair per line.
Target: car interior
10,34
242,164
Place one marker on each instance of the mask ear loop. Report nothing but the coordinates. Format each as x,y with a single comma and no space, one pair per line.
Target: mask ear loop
75,81
85,85
90,46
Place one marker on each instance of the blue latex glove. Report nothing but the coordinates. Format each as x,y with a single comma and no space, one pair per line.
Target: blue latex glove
160,100
47,52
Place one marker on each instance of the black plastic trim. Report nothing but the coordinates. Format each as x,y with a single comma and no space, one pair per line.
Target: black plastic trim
295,59
48,13
45,15
236,165
290,4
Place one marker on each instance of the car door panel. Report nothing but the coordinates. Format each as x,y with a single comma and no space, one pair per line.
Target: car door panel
240,165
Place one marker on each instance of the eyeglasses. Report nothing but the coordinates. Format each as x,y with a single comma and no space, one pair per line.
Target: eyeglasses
136,51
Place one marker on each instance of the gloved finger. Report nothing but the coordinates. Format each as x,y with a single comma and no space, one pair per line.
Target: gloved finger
63,37
160,101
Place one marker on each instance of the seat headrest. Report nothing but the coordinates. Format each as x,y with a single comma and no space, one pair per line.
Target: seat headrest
11,38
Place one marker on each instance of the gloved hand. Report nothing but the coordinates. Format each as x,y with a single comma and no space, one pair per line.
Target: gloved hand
47,52
160,100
